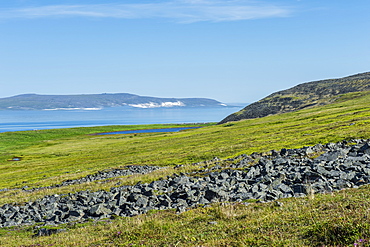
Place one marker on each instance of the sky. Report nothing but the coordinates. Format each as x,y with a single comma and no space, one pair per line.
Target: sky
229,50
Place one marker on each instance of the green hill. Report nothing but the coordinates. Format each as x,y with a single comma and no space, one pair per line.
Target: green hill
49,157
303,96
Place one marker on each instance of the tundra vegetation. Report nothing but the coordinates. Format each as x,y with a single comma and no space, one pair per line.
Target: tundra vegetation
49,157
305,95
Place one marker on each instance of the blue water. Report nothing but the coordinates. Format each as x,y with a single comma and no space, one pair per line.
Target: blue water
32,120
147,131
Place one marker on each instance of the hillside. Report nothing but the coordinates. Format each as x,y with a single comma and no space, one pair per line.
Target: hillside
277,181
97,101
302,96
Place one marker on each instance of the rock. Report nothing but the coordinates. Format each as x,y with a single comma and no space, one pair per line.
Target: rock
215,195
47,232
141,201
75,215
253,172
330,156
283,152
99,210
278,174
285,189
365,148
299,189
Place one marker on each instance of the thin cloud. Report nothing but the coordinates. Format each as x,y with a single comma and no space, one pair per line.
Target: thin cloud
185,11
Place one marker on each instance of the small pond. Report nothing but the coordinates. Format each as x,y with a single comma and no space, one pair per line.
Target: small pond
147,131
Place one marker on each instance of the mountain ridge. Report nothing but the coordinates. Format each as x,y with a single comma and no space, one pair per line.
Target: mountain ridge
98,101
302,96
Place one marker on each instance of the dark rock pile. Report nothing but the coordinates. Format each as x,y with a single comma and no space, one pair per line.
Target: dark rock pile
101,175
265,177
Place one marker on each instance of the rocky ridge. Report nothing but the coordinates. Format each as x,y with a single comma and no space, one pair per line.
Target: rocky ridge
260,176
304,95
101,175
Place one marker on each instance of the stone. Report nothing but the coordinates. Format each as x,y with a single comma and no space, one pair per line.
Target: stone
283,152
330,156
253,172
278,174
365,148
299,189
47,232
75,215
141,201
285,188
99,210
214,195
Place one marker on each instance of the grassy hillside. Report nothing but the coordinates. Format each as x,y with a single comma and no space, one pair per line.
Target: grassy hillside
302,96
52,156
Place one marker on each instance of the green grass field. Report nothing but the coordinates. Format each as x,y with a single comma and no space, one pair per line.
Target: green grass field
52,156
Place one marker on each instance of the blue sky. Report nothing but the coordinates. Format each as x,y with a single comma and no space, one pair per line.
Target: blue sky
230,50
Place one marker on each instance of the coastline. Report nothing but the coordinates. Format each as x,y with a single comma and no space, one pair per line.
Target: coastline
58,119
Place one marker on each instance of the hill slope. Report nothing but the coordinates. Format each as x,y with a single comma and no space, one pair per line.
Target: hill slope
302,96
39,102
53,157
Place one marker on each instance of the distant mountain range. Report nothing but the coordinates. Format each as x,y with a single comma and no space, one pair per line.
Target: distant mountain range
98,101
302,96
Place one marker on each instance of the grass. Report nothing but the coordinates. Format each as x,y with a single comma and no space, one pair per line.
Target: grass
52,156
291,222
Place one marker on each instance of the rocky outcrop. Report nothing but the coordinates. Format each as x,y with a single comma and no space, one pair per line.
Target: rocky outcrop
302,96
263,177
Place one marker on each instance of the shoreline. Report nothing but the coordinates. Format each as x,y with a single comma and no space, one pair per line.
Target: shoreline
27,121
180,125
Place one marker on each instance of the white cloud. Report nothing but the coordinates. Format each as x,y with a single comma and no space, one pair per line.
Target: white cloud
185,11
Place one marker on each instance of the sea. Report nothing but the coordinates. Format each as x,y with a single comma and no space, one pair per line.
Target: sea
21,120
